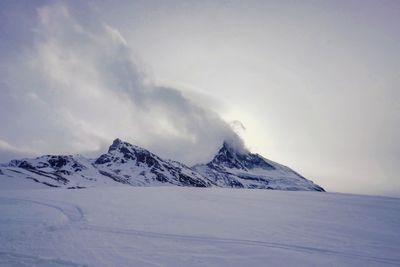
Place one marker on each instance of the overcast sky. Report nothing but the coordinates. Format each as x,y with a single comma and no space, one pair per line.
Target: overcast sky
314,85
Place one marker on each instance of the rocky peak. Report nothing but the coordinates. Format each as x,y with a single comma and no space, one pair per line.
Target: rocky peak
116,144
123,152
53,162
231,157
125,148
226,148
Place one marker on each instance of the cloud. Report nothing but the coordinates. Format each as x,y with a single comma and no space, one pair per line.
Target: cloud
8,151
79,87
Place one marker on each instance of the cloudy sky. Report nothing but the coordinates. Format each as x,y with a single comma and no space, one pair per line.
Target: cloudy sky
314,85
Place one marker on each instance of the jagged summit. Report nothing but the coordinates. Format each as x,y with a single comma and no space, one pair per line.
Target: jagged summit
232,167
229,148
231,157
115,145
121,152
122,146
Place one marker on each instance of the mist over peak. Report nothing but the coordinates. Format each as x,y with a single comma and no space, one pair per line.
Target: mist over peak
83,69
235,144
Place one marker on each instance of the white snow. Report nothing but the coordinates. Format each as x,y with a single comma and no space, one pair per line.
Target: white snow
182,226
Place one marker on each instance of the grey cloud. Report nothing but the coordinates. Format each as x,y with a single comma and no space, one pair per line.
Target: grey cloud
79,87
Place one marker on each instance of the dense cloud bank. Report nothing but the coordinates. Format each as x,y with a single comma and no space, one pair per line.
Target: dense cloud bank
77,87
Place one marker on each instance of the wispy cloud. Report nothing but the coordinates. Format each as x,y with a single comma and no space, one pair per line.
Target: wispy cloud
79,87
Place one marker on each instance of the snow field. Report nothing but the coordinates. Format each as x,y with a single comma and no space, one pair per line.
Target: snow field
180,226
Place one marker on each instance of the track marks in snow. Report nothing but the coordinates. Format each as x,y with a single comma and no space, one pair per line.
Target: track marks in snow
64,232
16,259
72,212
240,242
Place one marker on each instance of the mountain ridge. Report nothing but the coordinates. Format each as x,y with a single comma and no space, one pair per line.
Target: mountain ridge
129,164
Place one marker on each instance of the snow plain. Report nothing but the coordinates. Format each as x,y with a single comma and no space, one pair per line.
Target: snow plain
181,226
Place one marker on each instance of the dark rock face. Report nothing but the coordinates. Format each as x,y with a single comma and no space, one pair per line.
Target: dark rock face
114,177
103,159
22,164
58,161
50,161
115,145
230,158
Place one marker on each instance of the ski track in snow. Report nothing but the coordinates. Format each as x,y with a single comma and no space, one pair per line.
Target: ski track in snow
78,223
72,212
74,215
239,242
16,259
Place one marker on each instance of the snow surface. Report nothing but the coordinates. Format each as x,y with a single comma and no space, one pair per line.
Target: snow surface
183,226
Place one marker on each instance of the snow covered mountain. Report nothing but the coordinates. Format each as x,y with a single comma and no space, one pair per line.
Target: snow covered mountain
242,169
72,171
127,164
122,164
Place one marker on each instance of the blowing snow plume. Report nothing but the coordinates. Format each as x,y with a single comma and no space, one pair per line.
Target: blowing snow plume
77,87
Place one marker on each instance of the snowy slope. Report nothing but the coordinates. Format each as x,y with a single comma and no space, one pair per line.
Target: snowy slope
242,169
181,226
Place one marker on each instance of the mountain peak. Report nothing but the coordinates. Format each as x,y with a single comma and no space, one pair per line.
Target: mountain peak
117,141
225,146
115,144
235,156
229,155
122,152
118,144
233,148
235,166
